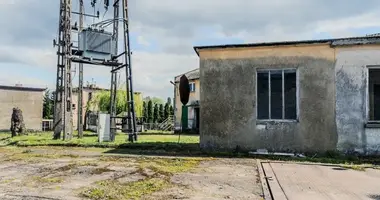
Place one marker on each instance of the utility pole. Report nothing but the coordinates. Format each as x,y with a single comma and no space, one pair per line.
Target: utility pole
62,101
68,115
113,90
129,87
80,86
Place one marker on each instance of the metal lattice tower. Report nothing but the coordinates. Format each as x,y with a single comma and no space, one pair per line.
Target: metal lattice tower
68,54
62,106
130,93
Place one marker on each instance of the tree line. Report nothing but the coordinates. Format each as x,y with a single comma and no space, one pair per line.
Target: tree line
157,112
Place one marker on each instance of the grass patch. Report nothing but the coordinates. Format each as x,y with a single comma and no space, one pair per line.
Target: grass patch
31,157
38,180
162,169
114,190
169,166
100,170
7,181
74,165
91,140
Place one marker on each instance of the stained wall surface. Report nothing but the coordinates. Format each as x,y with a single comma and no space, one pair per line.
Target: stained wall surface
228,99
30,102
352,99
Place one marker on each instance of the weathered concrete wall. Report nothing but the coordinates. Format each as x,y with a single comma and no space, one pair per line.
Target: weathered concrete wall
351,105
228,102
30,102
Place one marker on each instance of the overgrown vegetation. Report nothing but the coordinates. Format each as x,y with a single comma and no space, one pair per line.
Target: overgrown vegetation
101,100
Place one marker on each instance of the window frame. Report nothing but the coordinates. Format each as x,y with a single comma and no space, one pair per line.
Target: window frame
367,102
258,70
192,87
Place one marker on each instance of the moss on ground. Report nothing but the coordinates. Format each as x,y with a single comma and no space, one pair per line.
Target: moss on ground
42,180
169,165
163,169
114,190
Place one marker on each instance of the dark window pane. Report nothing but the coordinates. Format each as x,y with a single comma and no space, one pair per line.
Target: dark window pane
374,94
276,94
262,95
290,94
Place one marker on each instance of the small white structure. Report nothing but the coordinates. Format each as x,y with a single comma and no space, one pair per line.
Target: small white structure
104,127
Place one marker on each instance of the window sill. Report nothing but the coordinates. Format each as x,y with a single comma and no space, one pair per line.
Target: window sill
265,121
372,124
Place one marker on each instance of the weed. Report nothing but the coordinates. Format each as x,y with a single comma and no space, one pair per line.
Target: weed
168,165
114,190
162,169
27,151
46,180
101,170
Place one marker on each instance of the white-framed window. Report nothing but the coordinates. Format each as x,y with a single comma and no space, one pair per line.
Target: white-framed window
373,93
276,94
192,86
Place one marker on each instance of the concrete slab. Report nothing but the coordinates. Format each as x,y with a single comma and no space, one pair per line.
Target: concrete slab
317,182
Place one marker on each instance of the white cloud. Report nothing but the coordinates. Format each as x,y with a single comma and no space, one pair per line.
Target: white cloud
173,27
141,40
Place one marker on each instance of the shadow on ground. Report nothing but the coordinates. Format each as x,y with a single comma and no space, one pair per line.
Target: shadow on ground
374,196
172,149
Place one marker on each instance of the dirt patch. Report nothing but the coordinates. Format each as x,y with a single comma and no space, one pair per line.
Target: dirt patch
53,176
217,179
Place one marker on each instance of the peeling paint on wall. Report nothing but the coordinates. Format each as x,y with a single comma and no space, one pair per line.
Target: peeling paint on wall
351,105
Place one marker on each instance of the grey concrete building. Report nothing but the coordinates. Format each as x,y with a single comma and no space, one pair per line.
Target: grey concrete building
298,96
29,100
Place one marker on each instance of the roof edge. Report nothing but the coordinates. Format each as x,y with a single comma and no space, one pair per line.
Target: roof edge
284,43
34,89
186,72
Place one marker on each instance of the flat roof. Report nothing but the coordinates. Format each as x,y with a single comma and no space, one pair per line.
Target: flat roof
370,39
22,88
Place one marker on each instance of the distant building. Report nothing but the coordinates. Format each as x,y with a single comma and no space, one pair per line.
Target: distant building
187,117
88,93
28,99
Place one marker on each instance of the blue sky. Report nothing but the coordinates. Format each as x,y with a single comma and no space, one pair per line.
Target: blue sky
163,34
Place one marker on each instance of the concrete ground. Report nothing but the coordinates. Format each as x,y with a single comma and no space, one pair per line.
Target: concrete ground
290,181
54,174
